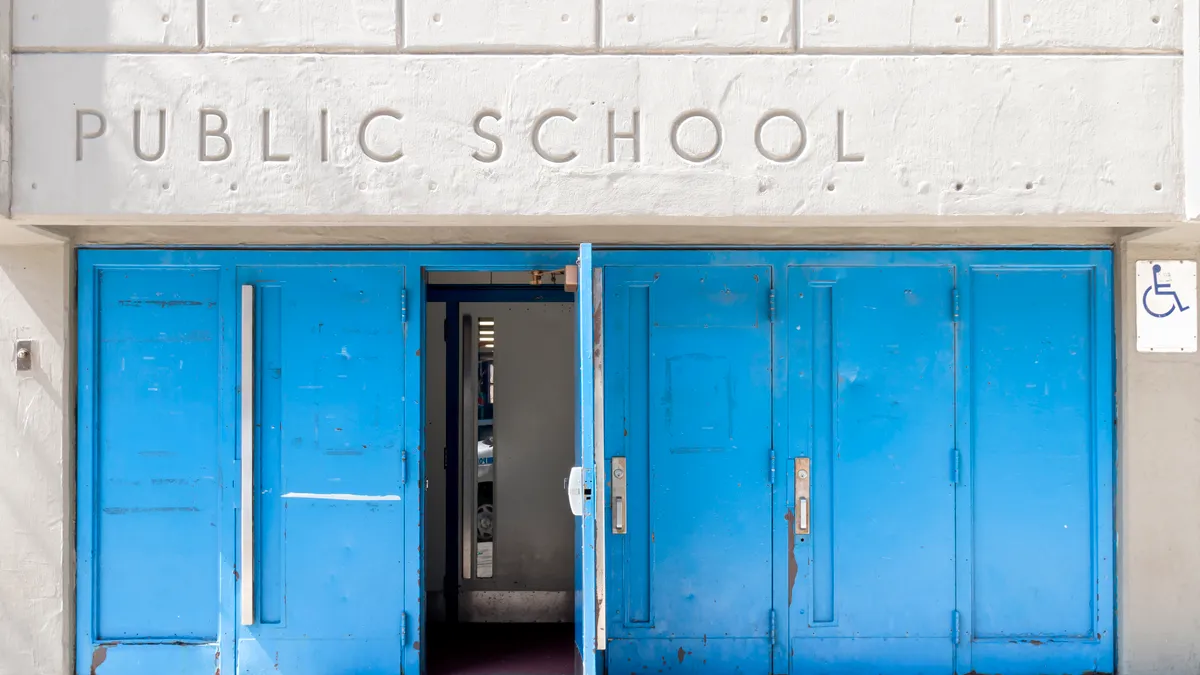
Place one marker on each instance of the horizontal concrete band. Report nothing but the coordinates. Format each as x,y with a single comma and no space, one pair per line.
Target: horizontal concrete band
682,25
690,136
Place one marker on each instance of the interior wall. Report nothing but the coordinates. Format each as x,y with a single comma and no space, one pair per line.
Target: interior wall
534,428
534,425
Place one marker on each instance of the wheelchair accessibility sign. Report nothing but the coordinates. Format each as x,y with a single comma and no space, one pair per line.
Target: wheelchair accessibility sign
1166,306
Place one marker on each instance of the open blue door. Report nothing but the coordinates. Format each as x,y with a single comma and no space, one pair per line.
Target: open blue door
582,482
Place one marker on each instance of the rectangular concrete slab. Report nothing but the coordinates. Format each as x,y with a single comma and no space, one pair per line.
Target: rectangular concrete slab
680,25
333,24
474,25
1080,24
921,24
780,136
95,24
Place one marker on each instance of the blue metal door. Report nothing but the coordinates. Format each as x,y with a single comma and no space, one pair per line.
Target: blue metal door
871,421
688,395
324,470
584,475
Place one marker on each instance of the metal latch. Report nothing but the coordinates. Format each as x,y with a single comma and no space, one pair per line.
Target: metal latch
574,485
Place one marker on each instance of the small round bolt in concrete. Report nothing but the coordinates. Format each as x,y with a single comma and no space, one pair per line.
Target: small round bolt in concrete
1029,185
1157,186
566,18
831,18
630,18
166,18
1027,19
958,186
763,18
831,187
958,19
1155,19
437,18
237,18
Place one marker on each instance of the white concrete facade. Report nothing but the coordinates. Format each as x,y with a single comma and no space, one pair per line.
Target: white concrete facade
725,122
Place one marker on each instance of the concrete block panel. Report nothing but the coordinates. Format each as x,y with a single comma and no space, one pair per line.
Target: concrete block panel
920,24
608,136
684,25
1084,25
474,25
344,24
99,24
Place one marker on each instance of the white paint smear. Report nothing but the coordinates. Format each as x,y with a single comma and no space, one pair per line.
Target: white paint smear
343,497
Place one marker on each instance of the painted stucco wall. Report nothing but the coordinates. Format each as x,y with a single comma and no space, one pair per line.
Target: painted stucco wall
978,122
737,109
1158,591
36,408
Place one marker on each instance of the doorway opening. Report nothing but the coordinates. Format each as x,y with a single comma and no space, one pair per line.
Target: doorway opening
499,428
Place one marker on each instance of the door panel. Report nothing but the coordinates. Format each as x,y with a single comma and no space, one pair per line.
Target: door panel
688,402
1040,414
331,465
871,358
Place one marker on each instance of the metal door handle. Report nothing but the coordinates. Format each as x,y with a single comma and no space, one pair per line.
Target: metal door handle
247,442
803,481
619,502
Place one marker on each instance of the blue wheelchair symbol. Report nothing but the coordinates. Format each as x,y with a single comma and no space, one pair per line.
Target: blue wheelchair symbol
1162,288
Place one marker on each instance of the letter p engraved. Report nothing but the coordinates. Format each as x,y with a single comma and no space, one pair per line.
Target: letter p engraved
81,135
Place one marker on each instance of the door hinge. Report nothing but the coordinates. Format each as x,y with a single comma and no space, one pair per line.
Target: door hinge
403,629
403,467
403,305
954,304
771,621
955,466
771,306
771,469
954,627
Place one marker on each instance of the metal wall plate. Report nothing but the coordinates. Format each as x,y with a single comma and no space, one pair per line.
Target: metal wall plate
24,355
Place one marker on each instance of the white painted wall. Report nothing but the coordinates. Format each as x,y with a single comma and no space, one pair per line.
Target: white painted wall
36,465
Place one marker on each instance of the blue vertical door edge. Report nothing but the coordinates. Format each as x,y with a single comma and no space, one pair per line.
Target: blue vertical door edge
585,454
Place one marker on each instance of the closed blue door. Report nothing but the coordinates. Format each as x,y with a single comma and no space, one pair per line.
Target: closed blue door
871,410
330,471
688,383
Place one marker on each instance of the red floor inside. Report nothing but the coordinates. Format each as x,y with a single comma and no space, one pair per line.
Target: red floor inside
500,649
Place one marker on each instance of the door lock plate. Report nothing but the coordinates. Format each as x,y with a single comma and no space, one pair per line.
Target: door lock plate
619,503
803,501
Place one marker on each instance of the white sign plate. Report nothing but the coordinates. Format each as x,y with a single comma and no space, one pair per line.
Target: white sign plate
1166,305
